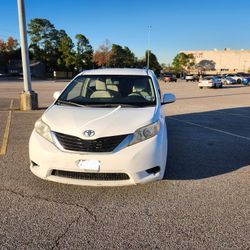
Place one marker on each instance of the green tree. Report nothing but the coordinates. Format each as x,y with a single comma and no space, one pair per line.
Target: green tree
117,56
129,58
49,45
44,40
84,53
153,62
66,61
183,62
121,57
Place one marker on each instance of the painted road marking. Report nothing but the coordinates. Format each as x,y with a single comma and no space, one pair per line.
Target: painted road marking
209,128
3,149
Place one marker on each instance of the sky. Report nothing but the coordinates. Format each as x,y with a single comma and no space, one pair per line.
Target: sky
176,25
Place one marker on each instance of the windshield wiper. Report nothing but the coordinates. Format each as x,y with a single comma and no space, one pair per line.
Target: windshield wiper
69,103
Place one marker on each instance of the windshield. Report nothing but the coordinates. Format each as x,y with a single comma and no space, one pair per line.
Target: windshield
109,90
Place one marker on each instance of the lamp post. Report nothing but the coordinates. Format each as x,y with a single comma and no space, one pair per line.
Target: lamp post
149,29
28,98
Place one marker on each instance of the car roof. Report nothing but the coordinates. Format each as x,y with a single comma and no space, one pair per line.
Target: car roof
118,71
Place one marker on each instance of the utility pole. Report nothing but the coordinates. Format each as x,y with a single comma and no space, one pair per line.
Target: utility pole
28,98
149,28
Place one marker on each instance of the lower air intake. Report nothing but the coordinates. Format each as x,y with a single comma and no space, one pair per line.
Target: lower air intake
91,176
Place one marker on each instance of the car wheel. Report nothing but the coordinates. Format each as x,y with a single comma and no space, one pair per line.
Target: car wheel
201,87
239,81
221,85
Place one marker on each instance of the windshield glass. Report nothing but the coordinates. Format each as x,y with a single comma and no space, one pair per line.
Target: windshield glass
110,90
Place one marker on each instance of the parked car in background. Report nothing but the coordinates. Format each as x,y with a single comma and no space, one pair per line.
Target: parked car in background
211,82
169,78
228,80
85,138
238,77
246,81
192,78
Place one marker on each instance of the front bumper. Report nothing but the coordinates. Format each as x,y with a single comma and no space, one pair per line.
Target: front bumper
133,160
209,85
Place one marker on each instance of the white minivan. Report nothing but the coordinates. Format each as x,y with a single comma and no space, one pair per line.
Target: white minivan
107,127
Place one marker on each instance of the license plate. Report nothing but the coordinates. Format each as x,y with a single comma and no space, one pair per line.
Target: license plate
89,165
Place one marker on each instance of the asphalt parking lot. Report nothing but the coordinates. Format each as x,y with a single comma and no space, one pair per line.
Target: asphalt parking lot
202,203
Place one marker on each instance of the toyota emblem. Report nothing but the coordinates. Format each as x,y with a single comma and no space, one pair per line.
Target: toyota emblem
89,133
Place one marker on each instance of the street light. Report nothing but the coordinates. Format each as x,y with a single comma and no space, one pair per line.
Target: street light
149,29
28,98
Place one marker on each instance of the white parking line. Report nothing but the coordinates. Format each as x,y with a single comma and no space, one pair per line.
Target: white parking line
212,129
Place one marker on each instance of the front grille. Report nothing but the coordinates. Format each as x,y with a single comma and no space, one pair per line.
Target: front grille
105,144
91,176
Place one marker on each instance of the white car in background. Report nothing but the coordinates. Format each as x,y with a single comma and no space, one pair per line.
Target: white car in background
106,128
237,77
228,80
211,82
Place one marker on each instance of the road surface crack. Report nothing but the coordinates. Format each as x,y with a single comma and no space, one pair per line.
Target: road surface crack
75,221
91,213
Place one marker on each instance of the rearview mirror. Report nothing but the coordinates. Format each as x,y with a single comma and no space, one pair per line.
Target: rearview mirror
56,95
168,98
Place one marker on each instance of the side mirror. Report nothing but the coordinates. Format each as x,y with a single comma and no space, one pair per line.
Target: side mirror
168,98
56,95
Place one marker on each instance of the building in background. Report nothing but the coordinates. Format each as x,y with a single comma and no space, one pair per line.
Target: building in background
221,61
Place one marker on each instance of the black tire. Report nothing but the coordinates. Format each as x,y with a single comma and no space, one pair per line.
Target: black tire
201,87
220,86
239,81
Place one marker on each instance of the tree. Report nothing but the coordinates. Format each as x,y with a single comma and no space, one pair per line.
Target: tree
84,53
183,62
153,62
205,65
9,50
129,58
116,59
67,59
45,42
101,57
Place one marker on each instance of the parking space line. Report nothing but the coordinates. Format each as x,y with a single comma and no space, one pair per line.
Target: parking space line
212,129
4,146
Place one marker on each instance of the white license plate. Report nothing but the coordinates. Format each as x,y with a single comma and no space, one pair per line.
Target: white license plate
89,165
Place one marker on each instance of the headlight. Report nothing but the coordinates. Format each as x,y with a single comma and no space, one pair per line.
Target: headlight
145,133
43,129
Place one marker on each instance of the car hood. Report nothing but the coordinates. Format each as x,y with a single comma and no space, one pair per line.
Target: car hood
104,121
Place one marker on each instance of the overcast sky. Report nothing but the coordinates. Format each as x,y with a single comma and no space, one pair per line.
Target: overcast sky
176,24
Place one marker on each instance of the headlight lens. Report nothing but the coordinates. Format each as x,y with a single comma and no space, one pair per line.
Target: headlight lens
145,133
43,129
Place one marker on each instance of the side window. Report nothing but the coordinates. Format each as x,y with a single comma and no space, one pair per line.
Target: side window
158,86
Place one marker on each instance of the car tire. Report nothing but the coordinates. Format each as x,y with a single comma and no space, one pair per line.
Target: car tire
220,86
201,87
239,81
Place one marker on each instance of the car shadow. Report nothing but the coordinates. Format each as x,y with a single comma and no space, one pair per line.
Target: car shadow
206,144
233,86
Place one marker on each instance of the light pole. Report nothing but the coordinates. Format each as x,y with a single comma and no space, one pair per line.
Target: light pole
28,98
149,29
